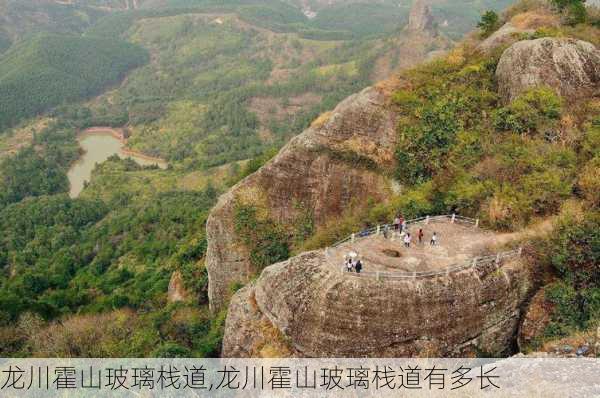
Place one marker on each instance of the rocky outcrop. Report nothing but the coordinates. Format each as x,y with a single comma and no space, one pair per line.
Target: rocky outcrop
506,35
176,291
340,158
535,320
420,18
571,67
323,312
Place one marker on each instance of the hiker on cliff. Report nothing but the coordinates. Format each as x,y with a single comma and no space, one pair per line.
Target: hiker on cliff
358,267
349,265
403,222
407,240
420,236
434,239
386,231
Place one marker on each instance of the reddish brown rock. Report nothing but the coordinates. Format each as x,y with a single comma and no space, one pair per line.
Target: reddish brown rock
536,318
323,169
323,312
177,291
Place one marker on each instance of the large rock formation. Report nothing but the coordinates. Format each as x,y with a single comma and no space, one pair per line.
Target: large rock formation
507,34
322,312
571,67
535,320
177,291
420,18
338,159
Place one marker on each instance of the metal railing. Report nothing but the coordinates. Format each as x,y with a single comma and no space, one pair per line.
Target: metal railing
478,262
452,218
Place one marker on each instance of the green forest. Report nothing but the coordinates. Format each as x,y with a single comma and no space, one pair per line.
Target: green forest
50,70
216,97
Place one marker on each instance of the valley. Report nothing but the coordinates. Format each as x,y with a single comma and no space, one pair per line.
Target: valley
164,162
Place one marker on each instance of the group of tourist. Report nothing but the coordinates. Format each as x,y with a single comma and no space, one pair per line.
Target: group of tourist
400,228
353,265
407,238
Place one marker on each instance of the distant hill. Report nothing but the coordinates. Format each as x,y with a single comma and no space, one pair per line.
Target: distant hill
20,19
49,70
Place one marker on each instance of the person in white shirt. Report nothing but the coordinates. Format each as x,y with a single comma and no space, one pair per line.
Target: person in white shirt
433,241
349,265
407,240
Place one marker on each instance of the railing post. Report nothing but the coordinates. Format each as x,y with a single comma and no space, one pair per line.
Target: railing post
497,258
453,217
377,275
414,275
474,263
378,229
427,220
352,237
520,251
477,223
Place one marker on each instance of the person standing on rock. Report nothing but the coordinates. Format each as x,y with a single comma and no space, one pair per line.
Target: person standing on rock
433,239
349,265
386,232
420,236
358,267
407,240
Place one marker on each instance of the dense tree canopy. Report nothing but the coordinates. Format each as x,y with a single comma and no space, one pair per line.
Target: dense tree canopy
49,70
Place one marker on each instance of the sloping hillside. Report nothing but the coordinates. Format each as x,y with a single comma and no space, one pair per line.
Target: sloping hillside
20,19
507,134
50,69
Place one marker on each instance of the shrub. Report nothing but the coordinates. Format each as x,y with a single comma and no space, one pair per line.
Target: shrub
265,239
543,192
171,350
574,11
589,182
534,112
489,23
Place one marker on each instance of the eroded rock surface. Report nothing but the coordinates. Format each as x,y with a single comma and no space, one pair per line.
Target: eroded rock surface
420,18
507,34
323,312
177,291
571,67
323,169
535,320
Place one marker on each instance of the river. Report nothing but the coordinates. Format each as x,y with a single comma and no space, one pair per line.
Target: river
98,145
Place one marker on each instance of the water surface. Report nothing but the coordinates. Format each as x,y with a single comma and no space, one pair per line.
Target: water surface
99,146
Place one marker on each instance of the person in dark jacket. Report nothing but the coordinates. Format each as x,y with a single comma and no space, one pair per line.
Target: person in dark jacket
358,267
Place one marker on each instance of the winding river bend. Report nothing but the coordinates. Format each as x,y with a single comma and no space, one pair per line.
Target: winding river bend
98,144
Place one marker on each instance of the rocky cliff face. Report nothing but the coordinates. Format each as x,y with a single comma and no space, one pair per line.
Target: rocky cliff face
571,67
322,312
338,159
420,18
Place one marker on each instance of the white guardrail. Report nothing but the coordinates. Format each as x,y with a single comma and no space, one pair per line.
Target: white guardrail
495,260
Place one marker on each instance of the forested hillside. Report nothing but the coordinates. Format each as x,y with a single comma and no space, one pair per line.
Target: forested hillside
21,19
49,70
215,88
